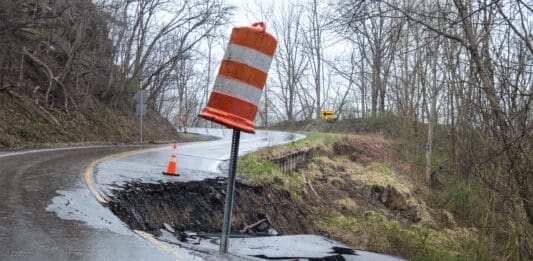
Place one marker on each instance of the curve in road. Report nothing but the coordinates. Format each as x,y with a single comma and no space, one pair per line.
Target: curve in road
42,199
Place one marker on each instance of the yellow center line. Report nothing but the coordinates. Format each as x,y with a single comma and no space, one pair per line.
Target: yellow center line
88,178
88,170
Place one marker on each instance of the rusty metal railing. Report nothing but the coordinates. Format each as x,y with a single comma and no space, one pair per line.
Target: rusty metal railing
289,161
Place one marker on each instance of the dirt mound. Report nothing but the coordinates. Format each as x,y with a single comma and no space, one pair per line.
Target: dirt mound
394,200
359,172
382,181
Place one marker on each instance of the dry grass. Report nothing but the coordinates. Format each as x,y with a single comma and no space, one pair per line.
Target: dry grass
345,166
24,124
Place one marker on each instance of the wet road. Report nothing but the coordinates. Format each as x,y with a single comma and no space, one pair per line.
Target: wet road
47,212
195,161
29,181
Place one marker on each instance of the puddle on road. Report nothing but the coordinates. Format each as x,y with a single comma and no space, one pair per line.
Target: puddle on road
337,255
79,204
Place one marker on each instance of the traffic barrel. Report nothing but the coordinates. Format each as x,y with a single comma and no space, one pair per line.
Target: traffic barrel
241,78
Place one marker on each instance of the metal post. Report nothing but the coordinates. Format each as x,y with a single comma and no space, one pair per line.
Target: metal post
141,121
141,141
228,206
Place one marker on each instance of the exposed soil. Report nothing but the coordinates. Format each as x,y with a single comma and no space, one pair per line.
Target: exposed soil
182,207
198,206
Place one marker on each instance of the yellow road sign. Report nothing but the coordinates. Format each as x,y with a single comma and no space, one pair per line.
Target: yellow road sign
327,114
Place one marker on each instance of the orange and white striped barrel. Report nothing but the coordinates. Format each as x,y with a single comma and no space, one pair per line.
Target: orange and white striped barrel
241,78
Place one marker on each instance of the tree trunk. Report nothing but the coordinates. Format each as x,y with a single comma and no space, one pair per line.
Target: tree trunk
432,120
429,145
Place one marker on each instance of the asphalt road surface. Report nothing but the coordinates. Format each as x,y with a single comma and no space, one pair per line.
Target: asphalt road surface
29,180
47,212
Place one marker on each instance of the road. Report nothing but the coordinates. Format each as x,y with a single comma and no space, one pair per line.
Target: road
47,212
196,161
30,180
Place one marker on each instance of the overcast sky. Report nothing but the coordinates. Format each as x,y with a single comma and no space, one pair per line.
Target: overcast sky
248,12
242,13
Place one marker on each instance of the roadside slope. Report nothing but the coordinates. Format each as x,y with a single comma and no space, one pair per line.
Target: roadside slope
358,190
26,124
185,211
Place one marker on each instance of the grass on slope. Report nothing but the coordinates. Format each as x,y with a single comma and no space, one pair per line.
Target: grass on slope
333,187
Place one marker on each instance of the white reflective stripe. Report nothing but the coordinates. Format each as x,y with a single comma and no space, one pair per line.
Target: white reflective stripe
238,89
248,56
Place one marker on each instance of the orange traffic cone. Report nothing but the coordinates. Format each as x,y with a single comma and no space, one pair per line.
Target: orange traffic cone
171,168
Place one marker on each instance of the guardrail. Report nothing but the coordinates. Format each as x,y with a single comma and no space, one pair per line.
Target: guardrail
289,161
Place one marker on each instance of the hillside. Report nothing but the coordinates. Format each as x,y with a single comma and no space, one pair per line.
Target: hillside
359,190
26,124
362,182
56,80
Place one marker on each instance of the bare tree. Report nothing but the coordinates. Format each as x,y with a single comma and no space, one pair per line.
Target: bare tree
290,62
139,37
315,44
377,33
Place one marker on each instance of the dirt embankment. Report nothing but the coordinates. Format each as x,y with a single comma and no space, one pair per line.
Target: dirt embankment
199,206
59,82
23,123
